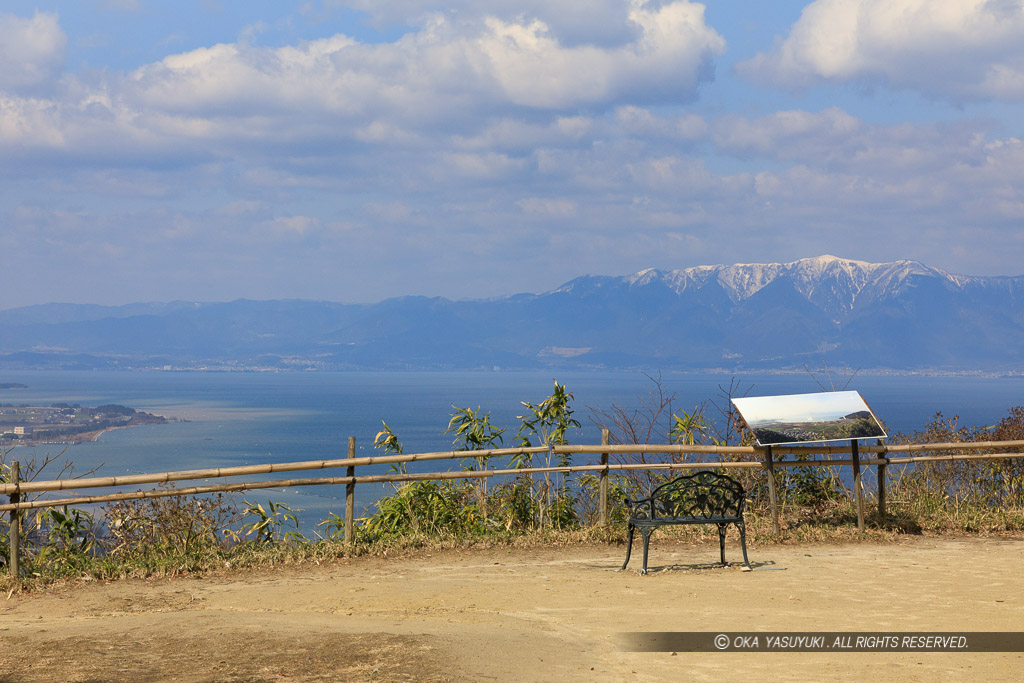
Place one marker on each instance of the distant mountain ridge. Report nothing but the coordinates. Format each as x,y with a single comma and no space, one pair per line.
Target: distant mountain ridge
901,316
826,280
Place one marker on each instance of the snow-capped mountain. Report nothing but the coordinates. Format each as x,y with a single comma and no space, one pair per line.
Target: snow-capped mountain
901,315
833,283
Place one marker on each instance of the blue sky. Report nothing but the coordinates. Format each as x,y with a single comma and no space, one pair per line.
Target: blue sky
357,150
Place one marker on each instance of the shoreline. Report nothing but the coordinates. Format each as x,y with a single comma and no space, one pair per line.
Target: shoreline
84,437
90,436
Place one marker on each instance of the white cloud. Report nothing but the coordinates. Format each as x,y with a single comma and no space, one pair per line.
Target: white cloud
31,50
448,76
643,123
442,68
495,140
573,22
609,202
959,49
833,139
892,187
666,62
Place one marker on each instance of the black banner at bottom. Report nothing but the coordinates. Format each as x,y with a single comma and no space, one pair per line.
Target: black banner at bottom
821,641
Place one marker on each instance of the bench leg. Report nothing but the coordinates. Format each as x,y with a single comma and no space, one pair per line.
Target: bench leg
721,542
629,545
743,542
646,533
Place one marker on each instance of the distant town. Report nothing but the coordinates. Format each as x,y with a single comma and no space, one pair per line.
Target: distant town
66,422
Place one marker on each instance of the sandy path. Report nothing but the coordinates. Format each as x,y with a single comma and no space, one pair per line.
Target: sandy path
549,614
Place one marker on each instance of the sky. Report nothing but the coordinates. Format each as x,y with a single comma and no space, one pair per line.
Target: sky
830,405
355,150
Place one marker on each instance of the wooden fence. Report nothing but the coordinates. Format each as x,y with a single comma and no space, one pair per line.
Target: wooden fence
763,457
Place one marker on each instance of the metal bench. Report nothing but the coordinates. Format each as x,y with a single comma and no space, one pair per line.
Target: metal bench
702,498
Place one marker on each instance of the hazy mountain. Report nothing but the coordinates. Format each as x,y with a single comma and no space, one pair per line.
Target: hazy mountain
901,315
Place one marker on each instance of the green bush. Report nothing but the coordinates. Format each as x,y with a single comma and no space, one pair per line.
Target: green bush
431,508
516,510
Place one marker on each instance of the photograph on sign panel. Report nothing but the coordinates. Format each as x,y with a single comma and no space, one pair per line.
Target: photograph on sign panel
803,418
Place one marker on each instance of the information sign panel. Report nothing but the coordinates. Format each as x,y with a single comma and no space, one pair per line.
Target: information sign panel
807,418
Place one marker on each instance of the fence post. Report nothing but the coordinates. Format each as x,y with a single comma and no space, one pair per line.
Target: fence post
770,464
858,490
881,482
603,481
350,493
15,530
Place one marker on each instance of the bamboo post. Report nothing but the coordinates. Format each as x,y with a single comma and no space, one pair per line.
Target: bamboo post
481,491
858,490
770,465
603,481
350,493
15,530
881,481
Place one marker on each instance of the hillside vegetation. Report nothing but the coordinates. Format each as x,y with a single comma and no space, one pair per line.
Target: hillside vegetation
182,534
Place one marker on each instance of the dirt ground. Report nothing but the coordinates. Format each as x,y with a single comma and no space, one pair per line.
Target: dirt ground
550,614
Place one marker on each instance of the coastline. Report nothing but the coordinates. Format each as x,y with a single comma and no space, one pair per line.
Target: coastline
84,437
93,435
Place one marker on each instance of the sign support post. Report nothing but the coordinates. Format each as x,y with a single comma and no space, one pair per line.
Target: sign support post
881,483
770,466
858,489
603,482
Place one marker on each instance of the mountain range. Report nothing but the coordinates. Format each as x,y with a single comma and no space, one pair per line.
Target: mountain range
900,316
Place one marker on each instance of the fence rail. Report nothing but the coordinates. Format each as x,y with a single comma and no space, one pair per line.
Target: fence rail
16,489
640,449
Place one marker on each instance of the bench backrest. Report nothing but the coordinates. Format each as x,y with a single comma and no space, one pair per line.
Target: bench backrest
705,494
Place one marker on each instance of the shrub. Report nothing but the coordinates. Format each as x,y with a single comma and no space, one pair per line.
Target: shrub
174,533
431,508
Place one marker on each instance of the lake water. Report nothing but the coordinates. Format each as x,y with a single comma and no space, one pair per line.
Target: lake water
252,418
